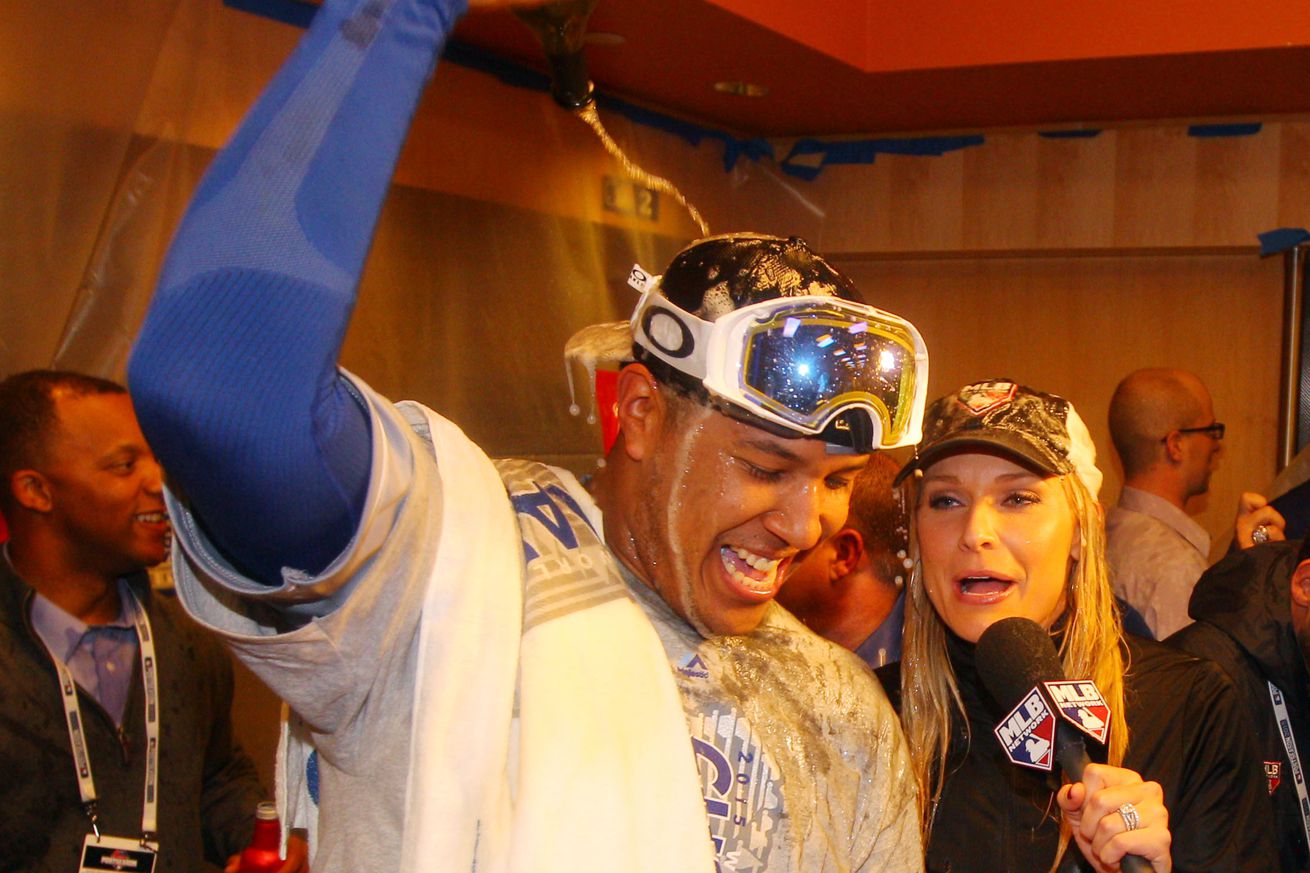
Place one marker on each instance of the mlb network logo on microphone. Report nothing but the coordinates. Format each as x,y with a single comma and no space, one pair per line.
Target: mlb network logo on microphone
1028,733
1079,702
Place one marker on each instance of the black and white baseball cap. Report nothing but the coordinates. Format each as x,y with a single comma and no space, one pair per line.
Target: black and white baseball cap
1038,430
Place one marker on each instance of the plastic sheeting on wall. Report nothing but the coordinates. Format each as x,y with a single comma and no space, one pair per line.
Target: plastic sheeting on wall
507,230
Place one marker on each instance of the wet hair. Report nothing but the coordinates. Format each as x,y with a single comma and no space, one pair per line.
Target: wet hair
28,416
1147,404
932,709
721,274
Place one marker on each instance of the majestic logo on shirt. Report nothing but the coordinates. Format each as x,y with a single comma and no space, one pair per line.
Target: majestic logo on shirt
694,668
1273,774
1028,733
1079,702
987,396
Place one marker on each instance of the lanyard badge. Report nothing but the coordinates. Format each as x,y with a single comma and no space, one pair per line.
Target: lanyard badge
117,854
101,851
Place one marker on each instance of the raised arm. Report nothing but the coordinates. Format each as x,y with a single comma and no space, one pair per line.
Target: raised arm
234,375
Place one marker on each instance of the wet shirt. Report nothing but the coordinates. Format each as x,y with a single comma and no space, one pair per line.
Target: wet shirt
802,762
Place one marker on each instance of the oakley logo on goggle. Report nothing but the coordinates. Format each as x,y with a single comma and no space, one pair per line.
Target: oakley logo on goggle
667,332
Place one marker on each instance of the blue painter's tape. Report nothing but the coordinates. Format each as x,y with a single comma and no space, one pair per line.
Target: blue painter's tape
1273,242
519,76
735,148
1206,130
485,62
926,146
1068,134
865,151
294,12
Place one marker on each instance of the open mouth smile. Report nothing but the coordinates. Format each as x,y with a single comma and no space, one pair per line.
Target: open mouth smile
755,574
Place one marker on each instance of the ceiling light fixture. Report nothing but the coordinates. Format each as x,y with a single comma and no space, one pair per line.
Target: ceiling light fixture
741,89
604,38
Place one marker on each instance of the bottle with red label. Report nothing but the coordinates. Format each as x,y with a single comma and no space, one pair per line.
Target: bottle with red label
263,855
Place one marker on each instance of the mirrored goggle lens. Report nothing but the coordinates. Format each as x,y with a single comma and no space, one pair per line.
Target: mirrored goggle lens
806,365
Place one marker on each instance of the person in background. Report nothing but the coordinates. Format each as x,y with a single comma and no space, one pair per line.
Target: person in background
149,694
1005,524
1289,494
1163,426
1251,616
849,588
493,667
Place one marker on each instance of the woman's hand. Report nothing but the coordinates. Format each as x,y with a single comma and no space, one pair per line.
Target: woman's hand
1100,809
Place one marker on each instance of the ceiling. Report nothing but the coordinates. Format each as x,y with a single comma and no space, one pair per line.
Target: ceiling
836,67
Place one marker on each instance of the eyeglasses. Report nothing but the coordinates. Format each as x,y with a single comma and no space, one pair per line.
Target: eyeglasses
1214,431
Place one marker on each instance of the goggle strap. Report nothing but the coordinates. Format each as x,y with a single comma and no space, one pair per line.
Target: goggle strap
688,350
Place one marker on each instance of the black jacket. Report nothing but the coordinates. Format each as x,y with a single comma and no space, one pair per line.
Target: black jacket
1244,624
208,787
1185,731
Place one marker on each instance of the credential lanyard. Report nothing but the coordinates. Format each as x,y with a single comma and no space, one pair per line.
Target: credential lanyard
1289,743
77,738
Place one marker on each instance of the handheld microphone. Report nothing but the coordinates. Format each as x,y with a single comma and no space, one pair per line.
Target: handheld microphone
1015,658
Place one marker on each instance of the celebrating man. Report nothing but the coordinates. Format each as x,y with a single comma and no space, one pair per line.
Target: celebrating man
486,679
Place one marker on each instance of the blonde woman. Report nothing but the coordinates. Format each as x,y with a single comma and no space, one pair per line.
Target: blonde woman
1005,522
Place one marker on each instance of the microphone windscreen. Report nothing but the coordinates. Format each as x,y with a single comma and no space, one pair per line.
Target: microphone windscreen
1013,656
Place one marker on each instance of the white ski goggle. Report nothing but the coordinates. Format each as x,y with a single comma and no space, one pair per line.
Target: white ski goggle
797,362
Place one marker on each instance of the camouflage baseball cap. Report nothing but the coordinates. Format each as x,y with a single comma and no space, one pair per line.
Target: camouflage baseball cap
1033,428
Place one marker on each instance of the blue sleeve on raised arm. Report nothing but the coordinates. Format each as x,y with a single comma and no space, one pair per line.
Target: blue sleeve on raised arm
234,375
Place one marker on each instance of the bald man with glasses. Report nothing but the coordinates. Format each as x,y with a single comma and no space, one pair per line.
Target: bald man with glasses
1163,425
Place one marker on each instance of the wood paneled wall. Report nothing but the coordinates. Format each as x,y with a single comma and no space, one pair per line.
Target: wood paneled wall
1076,325
1152,187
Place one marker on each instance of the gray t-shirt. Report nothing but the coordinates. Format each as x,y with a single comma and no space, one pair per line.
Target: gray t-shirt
801,758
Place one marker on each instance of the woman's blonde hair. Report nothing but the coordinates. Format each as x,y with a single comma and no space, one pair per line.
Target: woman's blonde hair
931,707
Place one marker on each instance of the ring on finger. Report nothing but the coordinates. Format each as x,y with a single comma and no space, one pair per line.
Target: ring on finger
1132,821
1260,535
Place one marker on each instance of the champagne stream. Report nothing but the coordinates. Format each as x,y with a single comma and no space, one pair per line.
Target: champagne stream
589,114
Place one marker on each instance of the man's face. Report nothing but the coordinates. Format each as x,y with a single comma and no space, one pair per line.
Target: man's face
809,584
105,486
724,509
1201,451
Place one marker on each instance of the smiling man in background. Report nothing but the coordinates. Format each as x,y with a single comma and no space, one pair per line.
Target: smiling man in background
148,693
